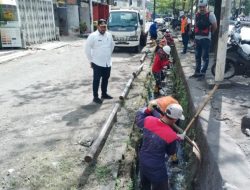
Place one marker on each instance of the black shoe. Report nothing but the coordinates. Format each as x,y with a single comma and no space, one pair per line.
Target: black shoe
195,75
97,100
106,96
201,77
184,52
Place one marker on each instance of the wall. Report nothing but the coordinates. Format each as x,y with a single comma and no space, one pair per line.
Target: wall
73,19
84,14
37,20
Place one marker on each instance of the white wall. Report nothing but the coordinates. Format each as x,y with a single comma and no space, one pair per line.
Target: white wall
73,19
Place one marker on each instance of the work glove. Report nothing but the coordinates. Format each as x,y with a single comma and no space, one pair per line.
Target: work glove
182,136
152,105
166,67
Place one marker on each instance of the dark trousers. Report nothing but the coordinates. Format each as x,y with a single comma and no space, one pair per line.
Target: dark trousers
185,39
100,72
159,77
202,47
147,185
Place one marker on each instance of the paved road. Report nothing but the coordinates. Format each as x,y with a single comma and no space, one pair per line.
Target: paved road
47,109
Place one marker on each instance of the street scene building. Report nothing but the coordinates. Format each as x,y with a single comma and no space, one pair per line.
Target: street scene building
124,95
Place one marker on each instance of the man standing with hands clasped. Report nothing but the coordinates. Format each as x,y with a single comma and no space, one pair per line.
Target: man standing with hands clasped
205,24
99,48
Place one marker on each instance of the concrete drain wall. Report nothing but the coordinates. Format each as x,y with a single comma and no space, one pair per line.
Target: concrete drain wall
206,173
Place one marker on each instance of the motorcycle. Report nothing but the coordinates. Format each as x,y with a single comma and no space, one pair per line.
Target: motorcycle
237,57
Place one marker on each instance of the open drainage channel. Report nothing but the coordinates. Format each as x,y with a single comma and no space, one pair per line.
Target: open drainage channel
182,175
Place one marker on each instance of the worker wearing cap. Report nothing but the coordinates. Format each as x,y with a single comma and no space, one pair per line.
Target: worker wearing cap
205,24
99,48
161,60
159,140
169,38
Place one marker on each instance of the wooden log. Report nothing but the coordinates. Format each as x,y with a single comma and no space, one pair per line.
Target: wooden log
143,57
98,143
137,72
127,88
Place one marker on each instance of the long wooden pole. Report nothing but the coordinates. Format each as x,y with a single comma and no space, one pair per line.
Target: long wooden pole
103,134
201,107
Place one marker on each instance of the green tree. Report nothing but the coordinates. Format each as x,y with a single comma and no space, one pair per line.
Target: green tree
247,8
166,6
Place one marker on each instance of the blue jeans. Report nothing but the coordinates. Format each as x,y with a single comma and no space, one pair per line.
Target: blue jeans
185,39
202,51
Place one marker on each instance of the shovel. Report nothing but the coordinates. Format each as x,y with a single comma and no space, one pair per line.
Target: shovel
196,149
201,107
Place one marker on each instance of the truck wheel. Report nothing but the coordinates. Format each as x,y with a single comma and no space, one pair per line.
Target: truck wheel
137,49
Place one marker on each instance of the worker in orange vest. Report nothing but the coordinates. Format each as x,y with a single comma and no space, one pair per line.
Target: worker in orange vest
185,31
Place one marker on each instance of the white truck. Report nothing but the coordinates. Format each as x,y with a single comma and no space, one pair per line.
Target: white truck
127,28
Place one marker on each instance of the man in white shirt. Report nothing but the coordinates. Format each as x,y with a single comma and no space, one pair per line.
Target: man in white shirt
99,48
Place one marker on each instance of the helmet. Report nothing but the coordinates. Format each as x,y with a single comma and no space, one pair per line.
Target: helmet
167,30
167,49
174,111
202,3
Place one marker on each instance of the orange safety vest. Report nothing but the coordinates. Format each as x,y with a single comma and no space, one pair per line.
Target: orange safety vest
165,101
184,24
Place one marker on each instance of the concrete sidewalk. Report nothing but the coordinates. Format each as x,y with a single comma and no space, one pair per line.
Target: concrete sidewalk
225,148
11,54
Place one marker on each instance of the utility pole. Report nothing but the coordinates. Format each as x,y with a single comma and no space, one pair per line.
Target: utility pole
240,8
192,6
154,10
174,2
222,42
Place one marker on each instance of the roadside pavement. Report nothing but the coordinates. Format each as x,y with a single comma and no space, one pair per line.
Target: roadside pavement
224,146
11,54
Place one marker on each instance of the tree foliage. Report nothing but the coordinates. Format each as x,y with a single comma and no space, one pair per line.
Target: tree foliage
247,8
167,6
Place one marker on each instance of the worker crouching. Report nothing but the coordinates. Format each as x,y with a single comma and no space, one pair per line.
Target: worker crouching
161,61
159,139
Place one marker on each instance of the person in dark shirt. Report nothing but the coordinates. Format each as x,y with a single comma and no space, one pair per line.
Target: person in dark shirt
153,31
159,140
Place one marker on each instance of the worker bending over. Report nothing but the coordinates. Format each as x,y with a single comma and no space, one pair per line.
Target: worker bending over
159,140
